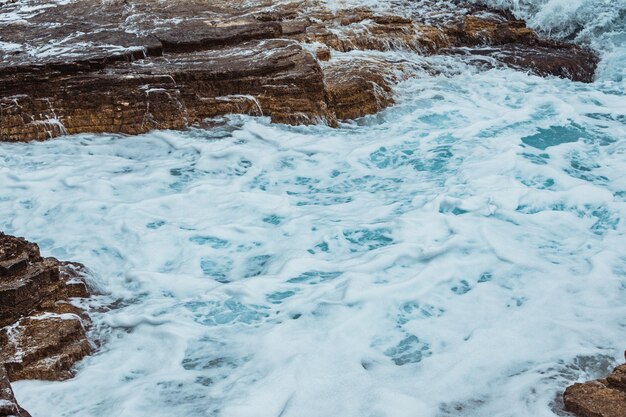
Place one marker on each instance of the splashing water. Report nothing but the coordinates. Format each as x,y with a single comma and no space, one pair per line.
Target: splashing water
459,254
600,24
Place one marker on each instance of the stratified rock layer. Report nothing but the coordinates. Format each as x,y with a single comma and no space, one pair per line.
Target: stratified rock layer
601,398
42,335
136,65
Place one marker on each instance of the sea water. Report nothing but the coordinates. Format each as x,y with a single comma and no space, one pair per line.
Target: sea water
462,253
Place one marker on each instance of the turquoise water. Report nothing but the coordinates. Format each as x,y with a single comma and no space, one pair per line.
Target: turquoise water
462,253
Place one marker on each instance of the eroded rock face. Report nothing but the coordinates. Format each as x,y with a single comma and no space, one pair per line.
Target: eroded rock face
42,335
136,65
274,77
601,398
358,87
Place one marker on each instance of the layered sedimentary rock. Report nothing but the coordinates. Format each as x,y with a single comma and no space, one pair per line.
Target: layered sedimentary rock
600,398
42,334
136,65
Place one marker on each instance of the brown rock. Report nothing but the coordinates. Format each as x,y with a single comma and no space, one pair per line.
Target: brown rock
595,399
44,347
474,30
195,35
601,398
510,42
30,283
42,335
8,405
577,64
432,39
358,87
323,53
617,379
560,60
277,78
135,65
73,275
27,281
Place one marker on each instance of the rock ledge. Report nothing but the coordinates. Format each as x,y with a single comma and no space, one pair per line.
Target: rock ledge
132,66
42,334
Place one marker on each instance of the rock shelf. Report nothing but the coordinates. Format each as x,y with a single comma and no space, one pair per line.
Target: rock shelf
137,65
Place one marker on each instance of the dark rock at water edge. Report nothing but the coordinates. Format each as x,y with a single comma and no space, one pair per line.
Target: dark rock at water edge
42,334
8,404
133,66
600,398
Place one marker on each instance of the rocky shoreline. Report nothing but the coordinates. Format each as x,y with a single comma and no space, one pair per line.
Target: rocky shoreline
132,66
42,333
135,65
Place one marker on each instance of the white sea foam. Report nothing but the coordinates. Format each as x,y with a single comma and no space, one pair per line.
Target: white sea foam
461,249
459,254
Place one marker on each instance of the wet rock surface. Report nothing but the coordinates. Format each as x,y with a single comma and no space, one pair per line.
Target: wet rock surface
600,398
136,65
8,404
42,334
